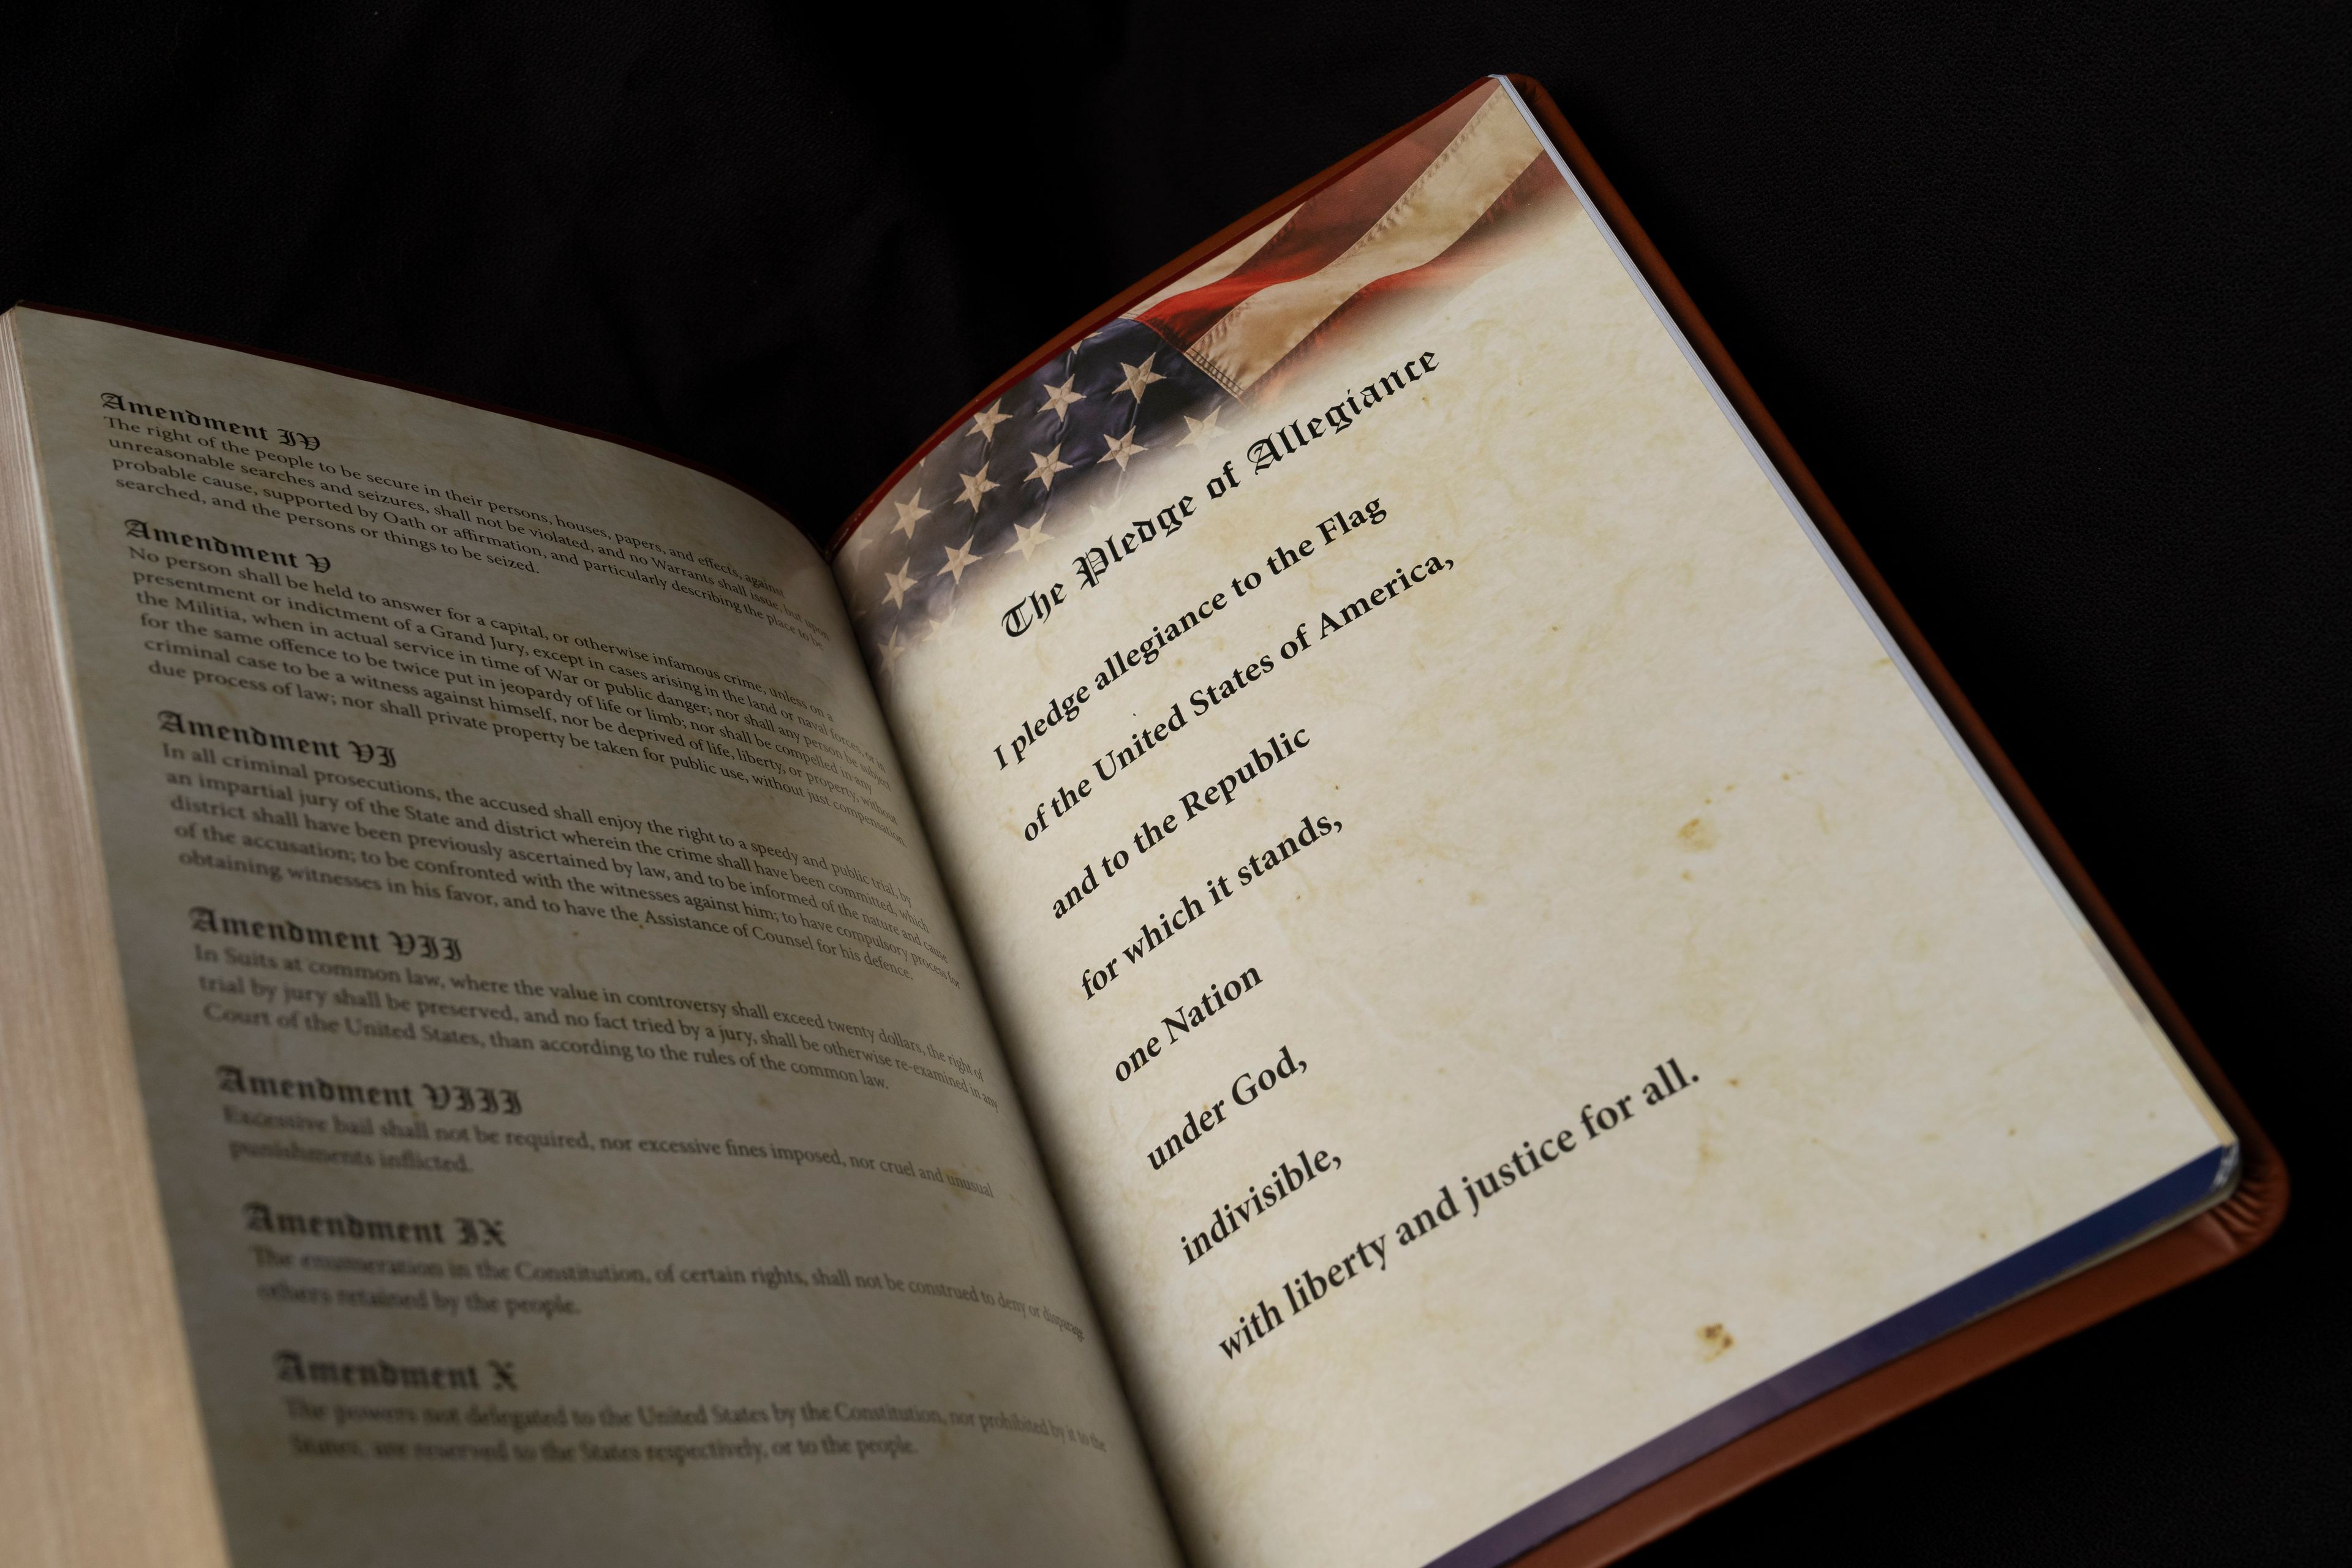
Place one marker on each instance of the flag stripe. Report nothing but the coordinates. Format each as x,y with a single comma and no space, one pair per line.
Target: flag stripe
1321,231
1223,265
1458,265
1474,169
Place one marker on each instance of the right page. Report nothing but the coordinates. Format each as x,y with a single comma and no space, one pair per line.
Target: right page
1517,982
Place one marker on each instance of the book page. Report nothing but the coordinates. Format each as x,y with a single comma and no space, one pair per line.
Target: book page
1519,983
580,1131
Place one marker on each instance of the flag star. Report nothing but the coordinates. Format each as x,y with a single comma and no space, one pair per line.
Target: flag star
986,421
1121,447
938,624
976,486
1028,536
910,512
1200,432
1059,398
958,557
1044,466
899,583
891,650
1139,376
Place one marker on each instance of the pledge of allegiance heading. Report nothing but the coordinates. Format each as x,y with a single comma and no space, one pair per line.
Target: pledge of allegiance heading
1094,564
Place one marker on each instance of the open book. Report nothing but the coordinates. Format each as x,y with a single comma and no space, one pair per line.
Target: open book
1346,927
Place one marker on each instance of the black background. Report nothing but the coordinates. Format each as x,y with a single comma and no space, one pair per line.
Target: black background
2055,307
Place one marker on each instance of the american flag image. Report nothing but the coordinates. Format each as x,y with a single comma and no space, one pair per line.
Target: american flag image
1046,463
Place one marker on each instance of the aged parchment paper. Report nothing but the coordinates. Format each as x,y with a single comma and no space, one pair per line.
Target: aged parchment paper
581,1137
1622,791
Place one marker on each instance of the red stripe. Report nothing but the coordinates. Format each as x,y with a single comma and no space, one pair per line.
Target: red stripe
1318,232
1478,251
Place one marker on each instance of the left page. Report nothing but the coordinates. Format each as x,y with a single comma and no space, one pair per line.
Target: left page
580,1131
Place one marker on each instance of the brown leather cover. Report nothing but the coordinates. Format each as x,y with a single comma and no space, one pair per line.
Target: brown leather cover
2227,1231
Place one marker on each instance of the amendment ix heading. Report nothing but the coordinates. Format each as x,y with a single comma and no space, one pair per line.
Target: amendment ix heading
211,923
373,751
295,1367
213,544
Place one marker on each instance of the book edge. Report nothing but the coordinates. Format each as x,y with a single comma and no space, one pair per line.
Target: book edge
2223,1232
2254,1212
92,1349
